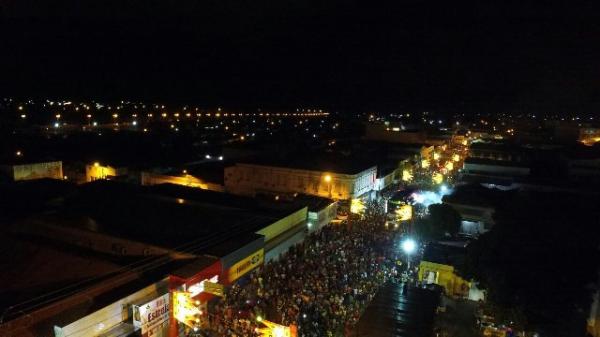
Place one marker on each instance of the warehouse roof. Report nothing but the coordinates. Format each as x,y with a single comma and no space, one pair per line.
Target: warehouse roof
322,162
171,216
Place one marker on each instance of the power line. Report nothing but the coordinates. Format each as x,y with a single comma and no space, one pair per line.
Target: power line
144,266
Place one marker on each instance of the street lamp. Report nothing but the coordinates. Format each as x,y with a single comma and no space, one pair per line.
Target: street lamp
408,246
327,179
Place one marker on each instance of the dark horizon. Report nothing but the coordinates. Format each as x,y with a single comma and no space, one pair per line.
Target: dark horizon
409,56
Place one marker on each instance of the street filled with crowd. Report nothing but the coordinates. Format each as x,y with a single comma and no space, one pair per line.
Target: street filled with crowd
321,285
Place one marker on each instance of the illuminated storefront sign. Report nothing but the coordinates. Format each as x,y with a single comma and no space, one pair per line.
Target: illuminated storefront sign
214,288
185,309
455,157
152,317
244,266
449,166
200,287
276,330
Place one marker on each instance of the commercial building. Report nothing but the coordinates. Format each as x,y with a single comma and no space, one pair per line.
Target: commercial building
206,176
476,205
22,170
438,267
216,238
394,134
500,151
313,176
583,164
493,171
589,135
183,179
65,292
97,171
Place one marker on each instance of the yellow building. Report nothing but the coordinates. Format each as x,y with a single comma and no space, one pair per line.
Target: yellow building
149,178
97,171
249,179
31,171
444,275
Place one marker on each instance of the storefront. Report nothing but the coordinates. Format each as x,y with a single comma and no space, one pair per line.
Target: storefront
142,312
152,318
191,288
241,261
246,265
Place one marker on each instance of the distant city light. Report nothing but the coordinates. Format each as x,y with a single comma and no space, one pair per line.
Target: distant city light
207,156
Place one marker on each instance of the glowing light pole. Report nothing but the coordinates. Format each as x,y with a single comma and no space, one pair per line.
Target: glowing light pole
408,246
327,179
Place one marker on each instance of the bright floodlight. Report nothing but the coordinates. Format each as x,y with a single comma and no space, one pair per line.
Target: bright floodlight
443,188
408,246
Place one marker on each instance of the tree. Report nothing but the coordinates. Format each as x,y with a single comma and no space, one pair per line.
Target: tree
445,218
539,260
442,220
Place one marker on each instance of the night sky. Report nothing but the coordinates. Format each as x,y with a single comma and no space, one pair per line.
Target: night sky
346,55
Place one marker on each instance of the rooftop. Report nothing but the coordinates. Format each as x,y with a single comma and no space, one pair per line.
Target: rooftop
27,263
323,162
447,254
23,198
493,162
169,215
475,194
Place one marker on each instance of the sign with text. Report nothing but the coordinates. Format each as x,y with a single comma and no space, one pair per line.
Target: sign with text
247,264
214,288
153,317
276,330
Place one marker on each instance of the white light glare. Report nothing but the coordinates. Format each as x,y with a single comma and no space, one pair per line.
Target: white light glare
408,246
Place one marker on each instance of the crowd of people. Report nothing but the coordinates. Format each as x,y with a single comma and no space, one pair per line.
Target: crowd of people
320,285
